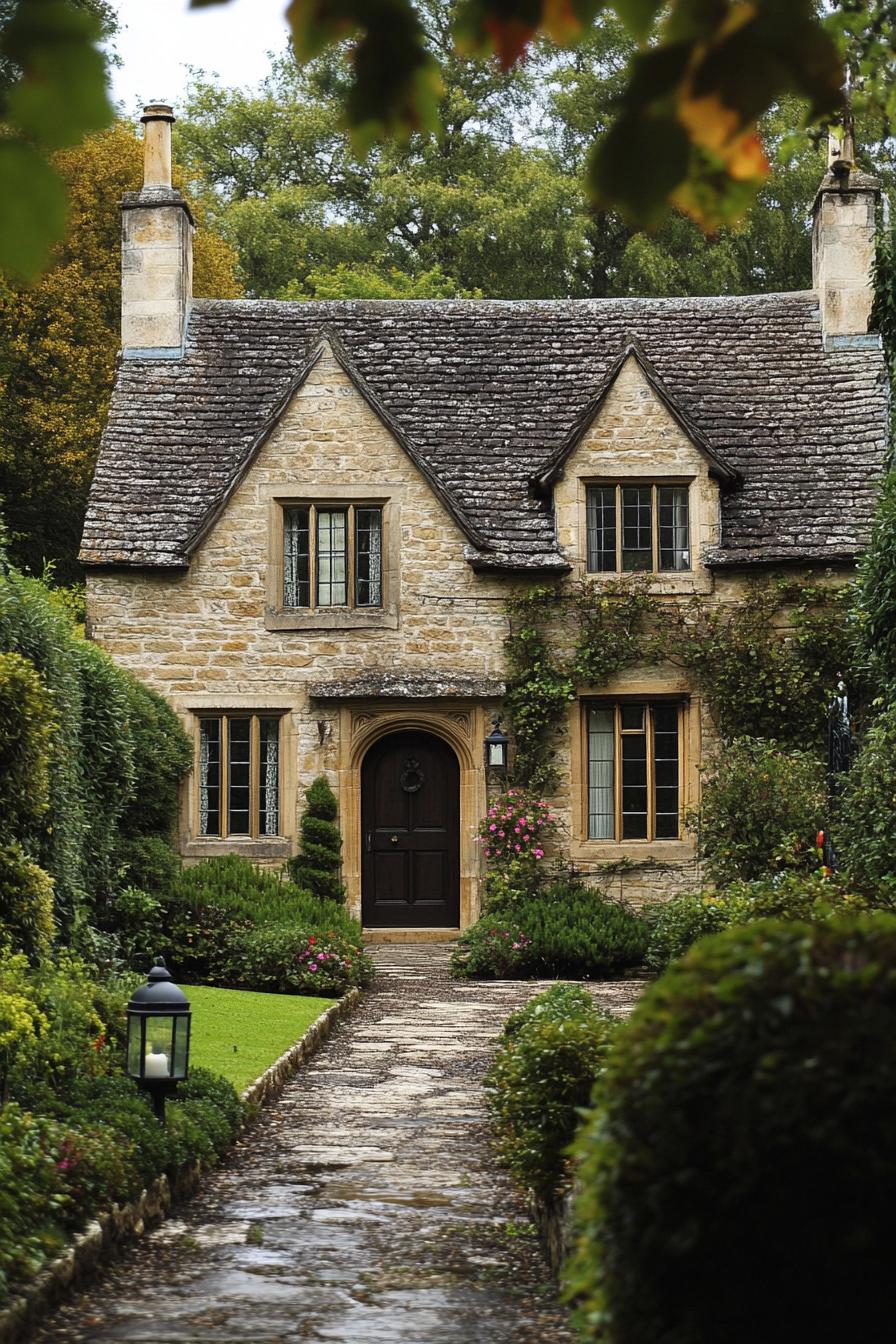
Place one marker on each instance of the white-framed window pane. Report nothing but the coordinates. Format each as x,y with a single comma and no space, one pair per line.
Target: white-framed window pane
332,558
674,543
601,780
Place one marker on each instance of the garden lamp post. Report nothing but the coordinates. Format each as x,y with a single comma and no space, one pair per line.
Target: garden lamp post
496,748
158,1036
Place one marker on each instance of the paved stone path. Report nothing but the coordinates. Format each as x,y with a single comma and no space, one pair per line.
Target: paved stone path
364,1206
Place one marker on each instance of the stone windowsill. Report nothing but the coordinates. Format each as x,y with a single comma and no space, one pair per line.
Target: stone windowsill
634,851
273,847
386,619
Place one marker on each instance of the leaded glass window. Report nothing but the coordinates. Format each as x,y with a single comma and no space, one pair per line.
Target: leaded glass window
239,775
637,528
332,556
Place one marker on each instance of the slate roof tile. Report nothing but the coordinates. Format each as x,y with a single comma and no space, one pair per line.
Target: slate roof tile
486,393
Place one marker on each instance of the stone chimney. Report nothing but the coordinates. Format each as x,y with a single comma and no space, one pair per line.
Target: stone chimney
843,219
156,251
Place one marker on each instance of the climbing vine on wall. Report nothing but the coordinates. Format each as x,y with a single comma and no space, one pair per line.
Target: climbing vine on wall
765,663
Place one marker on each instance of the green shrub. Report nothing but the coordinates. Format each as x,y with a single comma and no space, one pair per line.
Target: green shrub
136,918
737,1172
318,865
544,1071
676,924
32,1194
26,903
27,725
566,928
162,756
576,930
289,960
107,770
865,834
494,948
149,862
760,811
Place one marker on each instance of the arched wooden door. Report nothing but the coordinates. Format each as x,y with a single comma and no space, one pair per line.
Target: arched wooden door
410,805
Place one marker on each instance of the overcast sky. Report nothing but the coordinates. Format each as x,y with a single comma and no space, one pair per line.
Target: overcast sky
158,38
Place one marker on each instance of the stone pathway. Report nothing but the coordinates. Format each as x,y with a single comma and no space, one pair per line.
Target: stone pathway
364,1206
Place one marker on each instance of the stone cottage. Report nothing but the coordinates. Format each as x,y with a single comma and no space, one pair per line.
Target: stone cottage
307,517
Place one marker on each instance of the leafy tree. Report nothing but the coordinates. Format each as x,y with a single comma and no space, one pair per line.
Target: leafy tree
58,342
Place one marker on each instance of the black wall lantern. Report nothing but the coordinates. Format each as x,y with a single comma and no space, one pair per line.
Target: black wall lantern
158,1036
496,748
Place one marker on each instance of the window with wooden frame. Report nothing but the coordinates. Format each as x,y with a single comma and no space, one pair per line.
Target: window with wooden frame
639,526
634,753
239,775
333,556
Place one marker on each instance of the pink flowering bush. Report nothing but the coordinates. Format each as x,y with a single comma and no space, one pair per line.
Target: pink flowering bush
292,961
516,829
493,948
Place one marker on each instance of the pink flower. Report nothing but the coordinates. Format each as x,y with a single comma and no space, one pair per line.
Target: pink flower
312,966
493,827
539,853
517,848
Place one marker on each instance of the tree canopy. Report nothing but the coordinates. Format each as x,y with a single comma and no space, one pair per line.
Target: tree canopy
58,342
689,96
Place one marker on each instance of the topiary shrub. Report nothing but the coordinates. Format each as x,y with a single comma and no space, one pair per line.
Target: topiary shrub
760,811
547,1060
677,924
318,865
737,1171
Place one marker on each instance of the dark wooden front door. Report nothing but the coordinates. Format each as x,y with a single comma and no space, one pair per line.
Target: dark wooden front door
410,800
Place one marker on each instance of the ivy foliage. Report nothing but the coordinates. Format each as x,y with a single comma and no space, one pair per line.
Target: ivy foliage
765,665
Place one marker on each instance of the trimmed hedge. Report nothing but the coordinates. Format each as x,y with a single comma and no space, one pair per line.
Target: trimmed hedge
93,757
548,1058
737,1173
564,929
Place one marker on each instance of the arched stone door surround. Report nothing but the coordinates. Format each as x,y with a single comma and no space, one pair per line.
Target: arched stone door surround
463,728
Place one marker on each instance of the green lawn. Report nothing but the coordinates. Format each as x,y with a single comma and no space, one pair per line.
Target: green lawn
240,1034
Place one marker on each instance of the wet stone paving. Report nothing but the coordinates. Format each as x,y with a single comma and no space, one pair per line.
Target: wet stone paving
365,1204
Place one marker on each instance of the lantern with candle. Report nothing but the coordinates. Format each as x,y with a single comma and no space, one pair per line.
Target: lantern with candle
158,1036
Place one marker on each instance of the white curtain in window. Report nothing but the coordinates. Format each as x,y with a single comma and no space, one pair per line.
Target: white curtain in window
203,780
601,804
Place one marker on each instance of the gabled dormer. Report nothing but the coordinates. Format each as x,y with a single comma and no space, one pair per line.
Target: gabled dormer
636,485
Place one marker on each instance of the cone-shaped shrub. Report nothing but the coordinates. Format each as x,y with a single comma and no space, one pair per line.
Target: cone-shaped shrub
318,865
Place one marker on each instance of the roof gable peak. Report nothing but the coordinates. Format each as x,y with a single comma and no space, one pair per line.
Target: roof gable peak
633,349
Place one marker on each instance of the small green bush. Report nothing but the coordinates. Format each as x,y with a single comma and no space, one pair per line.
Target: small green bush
163,754
566,928
738,1169
760,811
26,903
318,866
149,862
549,1055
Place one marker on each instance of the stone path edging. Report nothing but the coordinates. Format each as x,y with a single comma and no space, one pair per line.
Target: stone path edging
90,1249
